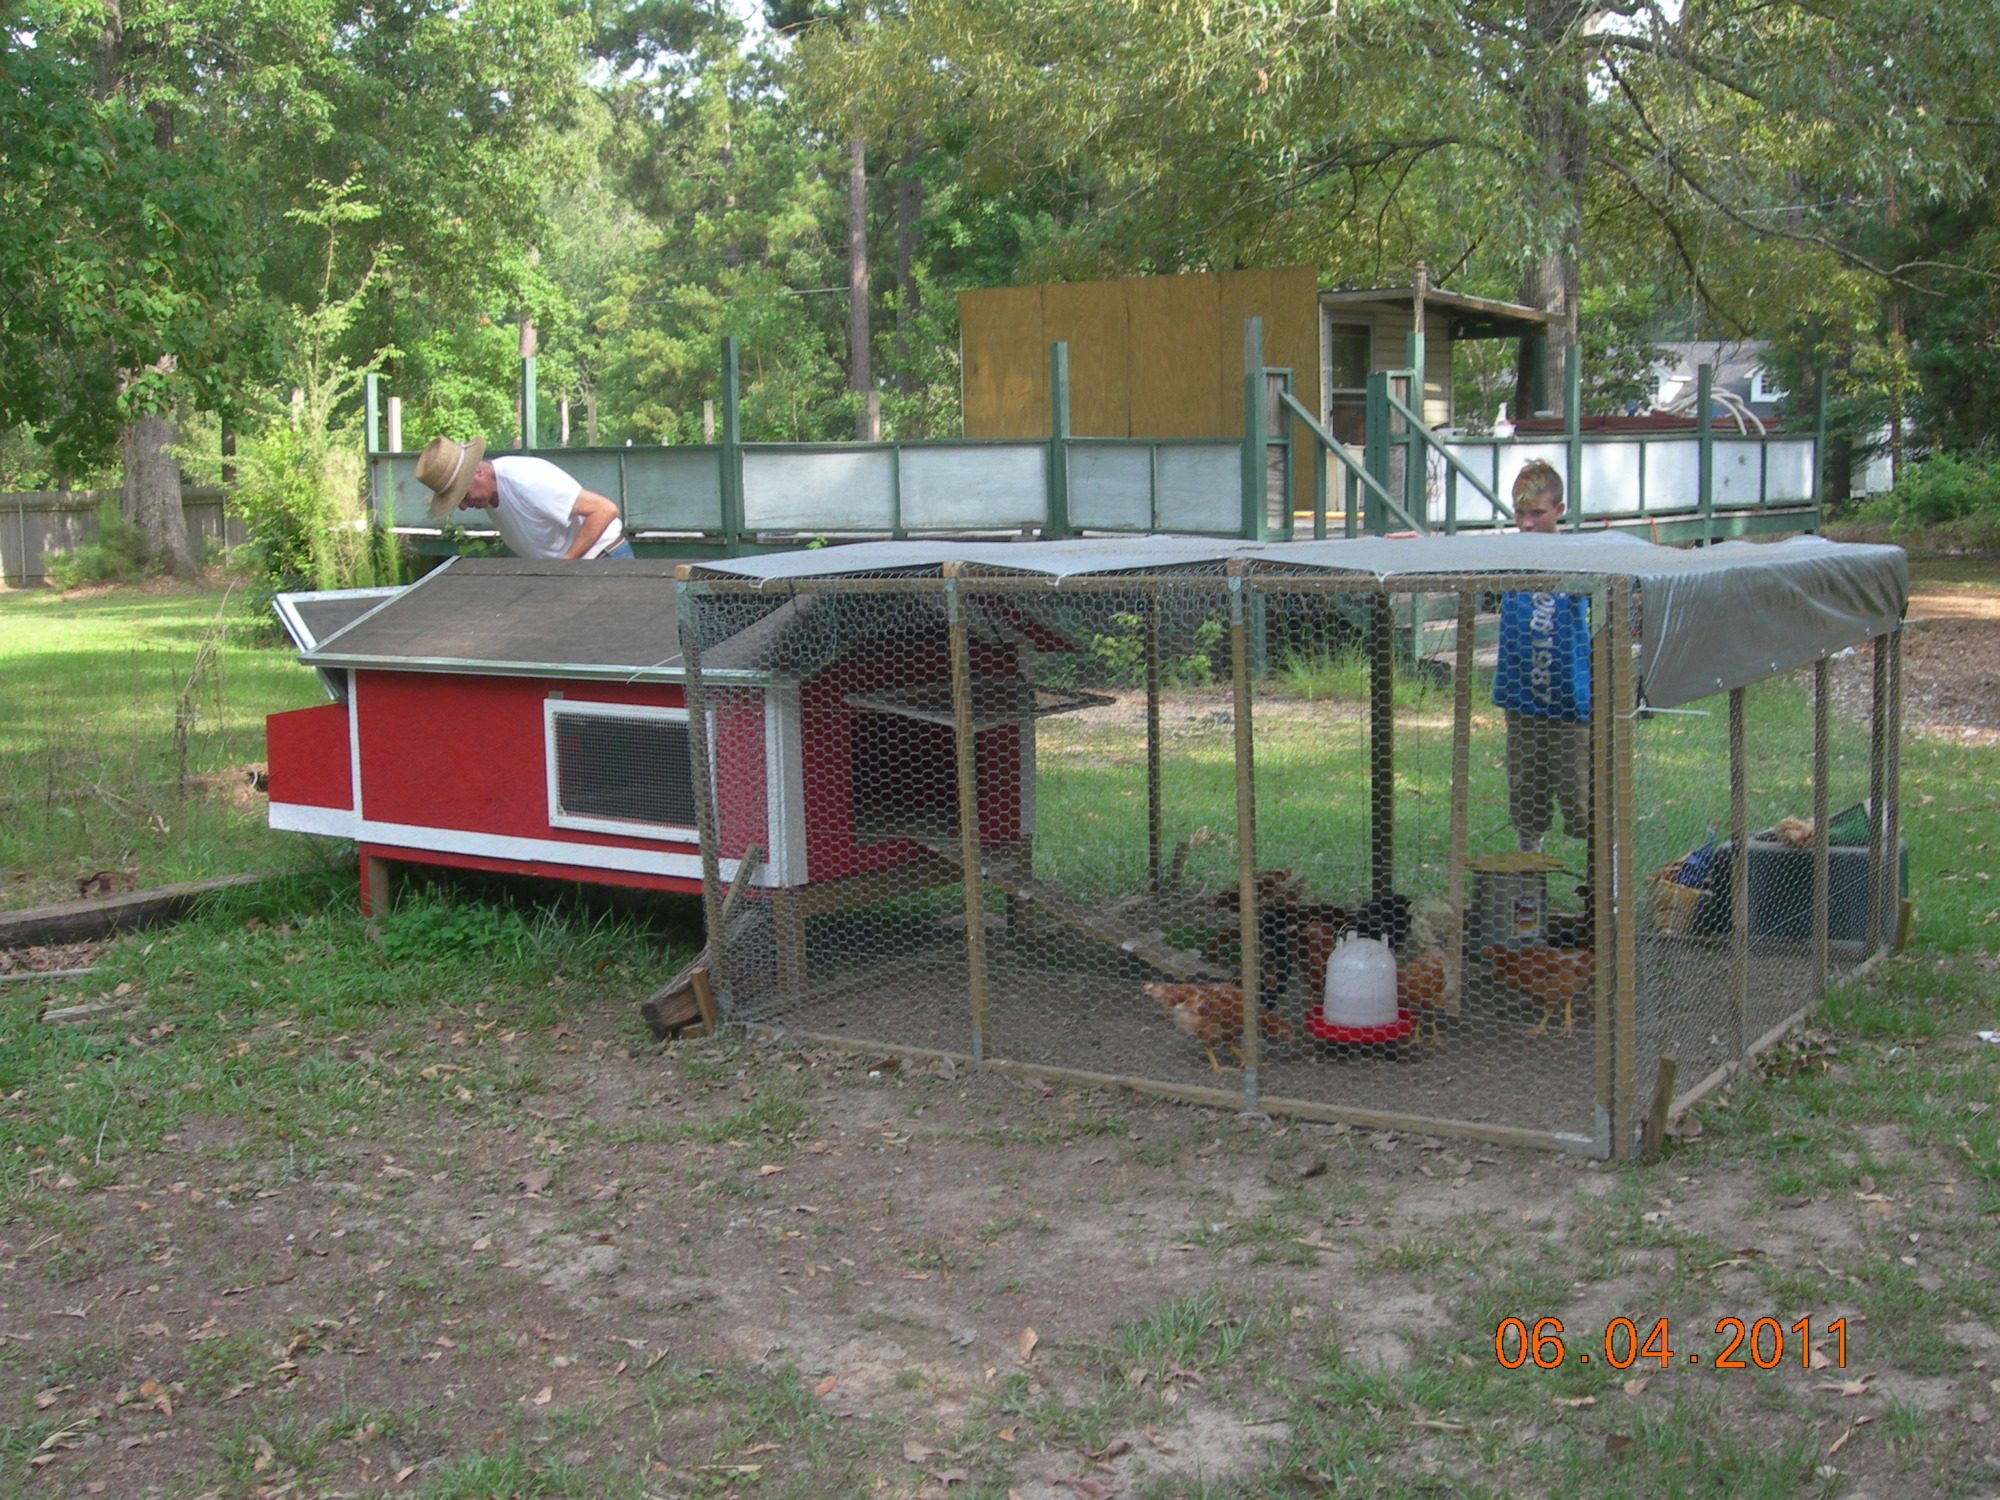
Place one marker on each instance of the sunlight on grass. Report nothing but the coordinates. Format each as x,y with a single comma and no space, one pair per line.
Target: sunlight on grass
117,754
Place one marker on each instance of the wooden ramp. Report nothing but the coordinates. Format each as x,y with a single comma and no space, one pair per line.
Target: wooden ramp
1150,948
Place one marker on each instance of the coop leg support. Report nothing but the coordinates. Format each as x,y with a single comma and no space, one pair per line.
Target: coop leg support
377,886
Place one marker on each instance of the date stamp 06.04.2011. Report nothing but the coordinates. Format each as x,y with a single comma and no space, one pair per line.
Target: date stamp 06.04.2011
1736,1344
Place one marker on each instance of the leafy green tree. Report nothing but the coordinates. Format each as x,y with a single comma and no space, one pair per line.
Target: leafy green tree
125,264
743,238
1514,145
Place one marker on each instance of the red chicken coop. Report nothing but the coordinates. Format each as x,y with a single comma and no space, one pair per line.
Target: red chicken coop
531,718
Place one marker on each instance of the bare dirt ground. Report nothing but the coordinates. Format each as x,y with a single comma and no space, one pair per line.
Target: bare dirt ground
1951,664
914,1282
736,1267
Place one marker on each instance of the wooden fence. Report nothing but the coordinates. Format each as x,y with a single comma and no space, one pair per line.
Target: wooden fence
34,524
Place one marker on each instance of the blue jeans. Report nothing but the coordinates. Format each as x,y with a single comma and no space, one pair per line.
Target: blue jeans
622,548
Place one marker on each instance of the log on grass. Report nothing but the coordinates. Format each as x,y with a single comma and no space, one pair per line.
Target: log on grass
82,921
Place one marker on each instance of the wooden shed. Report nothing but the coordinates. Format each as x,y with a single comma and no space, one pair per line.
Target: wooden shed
1162,356
531,718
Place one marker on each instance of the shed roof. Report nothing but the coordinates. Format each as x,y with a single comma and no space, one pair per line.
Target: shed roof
1465,317
1712,619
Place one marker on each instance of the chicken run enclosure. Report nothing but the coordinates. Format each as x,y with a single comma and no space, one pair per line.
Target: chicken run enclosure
1091,795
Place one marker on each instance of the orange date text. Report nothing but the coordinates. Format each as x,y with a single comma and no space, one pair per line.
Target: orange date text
1734,1344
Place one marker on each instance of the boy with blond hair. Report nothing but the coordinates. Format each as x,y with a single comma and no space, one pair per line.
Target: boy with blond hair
1543,682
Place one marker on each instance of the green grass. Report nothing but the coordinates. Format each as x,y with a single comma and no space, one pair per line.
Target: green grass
260,1000
91,765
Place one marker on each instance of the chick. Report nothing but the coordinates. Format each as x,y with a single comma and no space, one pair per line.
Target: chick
1427,987
1213,1015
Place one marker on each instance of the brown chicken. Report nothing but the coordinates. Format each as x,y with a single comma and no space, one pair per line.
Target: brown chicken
1213,1015
1426,987
1316,942
1554,976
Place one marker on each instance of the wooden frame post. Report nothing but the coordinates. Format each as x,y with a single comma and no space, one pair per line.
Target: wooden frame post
1892,779
968,805
1381,747
701,767
1155,813
378,886
1461,789
1878,784
1615,881
1822,844
1250,974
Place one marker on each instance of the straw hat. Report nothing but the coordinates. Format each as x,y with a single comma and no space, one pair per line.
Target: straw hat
445,469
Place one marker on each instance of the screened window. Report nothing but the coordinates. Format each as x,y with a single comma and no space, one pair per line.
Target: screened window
613,764
1348,353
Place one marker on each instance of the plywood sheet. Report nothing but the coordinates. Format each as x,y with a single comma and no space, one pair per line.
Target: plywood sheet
1005,362
1090,317
1172,369
1287,299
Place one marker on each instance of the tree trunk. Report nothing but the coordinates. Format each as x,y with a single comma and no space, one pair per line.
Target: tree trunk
860,376
1558,146
152,499
153,493
909,299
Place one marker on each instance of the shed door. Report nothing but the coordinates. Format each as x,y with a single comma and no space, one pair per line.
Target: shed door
1348,343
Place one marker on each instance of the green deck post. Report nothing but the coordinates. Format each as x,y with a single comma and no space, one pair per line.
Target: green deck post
1252,520
1286,448
528,402
1416,469
1538,373
731,456
1375,449
1058,517
1819,449
371,395
1573,433
1705,449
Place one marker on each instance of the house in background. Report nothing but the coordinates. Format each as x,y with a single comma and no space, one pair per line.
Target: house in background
1744,384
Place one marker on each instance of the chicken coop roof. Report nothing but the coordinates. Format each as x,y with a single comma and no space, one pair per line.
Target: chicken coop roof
1711,619
608,619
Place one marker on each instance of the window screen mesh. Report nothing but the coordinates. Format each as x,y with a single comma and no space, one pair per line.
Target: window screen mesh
635,770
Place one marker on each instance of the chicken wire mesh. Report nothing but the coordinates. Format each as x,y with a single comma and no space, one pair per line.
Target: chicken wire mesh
1069,828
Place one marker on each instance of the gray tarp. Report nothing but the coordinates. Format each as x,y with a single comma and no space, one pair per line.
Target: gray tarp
1712,618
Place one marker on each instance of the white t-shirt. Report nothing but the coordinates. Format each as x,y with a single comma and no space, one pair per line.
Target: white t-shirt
534,514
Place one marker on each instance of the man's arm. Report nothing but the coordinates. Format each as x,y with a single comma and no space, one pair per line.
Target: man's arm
593,513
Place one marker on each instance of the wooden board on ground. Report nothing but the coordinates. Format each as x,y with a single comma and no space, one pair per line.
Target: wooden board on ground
688,998
80,921
1149,948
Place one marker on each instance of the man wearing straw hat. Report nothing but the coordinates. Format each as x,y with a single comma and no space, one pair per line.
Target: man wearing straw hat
538,510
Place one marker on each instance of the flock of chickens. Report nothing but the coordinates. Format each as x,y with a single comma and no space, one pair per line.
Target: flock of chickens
1297,937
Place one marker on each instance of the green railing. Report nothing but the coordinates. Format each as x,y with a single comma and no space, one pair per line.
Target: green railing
730,496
